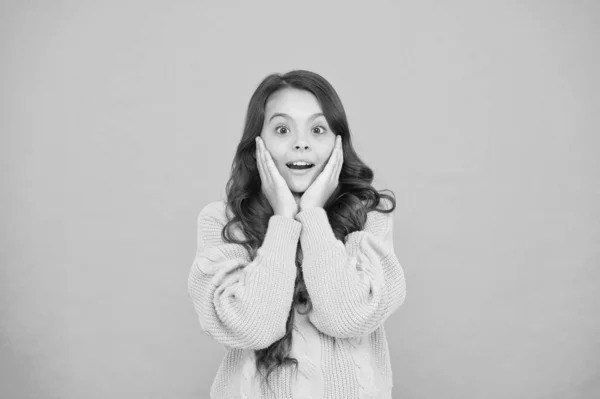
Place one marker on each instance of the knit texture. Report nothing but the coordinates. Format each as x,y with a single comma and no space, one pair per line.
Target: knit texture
341,344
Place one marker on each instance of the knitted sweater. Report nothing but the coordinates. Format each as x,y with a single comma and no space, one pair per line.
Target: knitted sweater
340,345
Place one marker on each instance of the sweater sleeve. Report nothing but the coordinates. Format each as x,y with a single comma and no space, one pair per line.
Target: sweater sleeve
241,303
354,287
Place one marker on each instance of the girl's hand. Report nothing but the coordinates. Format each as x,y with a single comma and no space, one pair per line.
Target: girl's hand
325,184
273,185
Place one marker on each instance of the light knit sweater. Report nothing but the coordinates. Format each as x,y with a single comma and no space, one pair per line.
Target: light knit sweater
340,345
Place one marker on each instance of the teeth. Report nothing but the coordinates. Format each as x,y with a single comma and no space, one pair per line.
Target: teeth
300,163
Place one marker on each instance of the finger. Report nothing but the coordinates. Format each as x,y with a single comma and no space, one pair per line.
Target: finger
340,158
330,161
271,165
336,164
333,159
265,160
259,162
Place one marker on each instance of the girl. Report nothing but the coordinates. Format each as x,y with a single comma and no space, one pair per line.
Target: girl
295,273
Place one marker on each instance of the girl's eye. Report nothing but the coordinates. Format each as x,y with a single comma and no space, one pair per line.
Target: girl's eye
322,128
277,128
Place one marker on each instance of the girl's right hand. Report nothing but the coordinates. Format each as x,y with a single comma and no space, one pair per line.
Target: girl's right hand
273,185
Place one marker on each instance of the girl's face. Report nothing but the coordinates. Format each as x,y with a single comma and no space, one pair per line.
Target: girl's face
295,129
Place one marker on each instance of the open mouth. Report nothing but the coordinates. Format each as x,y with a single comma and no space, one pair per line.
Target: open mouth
300,166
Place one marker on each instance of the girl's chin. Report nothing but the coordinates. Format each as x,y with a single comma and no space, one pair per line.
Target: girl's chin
297,191
298,186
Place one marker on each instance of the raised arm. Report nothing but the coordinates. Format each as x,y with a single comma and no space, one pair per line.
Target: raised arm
243,303
354,287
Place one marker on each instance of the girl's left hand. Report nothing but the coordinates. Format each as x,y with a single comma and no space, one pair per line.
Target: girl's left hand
325,184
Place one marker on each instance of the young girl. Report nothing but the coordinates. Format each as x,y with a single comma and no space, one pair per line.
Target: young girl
295,273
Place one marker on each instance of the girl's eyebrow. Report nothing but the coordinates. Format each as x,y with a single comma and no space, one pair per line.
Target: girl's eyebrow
313,116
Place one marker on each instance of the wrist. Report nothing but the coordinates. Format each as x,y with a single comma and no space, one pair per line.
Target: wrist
309,206
290,215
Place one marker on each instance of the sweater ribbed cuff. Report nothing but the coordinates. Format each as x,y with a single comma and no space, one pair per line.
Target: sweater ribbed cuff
315,227
281,240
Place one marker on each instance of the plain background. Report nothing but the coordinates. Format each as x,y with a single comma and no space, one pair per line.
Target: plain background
119,122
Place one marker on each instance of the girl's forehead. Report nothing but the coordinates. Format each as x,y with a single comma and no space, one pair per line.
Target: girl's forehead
293,102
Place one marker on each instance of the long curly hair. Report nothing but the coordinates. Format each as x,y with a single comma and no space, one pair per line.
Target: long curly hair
346,208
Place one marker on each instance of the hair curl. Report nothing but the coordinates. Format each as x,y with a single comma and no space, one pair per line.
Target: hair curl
346,209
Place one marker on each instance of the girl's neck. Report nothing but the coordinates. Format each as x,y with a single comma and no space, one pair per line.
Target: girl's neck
297,197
